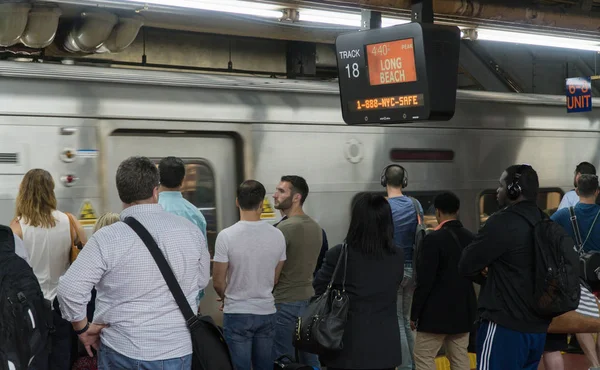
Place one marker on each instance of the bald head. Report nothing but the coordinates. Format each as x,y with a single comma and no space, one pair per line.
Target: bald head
394,176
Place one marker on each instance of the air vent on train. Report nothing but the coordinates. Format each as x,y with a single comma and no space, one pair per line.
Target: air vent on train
9,158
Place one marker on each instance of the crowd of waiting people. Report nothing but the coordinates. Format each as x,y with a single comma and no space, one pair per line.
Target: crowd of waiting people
404,306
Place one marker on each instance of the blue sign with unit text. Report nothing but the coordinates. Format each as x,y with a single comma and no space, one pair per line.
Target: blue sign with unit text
579,94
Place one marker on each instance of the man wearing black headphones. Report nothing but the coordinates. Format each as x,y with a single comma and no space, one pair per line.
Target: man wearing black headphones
405,213
511,335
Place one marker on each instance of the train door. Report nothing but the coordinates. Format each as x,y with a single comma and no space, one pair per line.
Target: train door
210,182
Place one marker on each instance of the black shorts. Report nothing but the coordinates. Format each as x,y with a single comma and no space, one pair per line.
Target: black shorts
556,342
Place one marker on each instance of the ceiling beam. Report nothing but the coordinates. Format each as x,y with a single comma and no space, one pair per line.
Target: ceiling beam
512,11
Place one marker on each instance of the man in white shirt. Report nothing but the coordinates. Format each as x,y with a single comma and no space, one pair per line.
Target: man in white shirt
249,257
137,323
570,199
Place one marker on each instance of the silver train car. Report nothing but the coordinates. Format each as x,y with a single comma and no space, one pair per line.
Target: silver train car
80,122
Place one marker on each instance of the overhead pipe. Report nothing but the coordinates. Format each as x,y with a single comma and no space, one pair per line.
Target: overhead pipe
122,35
13,20
521,12
90,31
41,27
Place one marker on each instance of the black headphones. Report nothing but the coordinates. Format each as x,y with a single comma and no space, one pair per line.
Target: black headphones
513,190
383,179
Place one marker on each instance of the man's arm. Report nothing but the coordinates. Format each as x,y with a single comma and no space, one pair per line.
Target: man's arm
220,266
282,258
220,278
489,244
74,291
204,262
427,265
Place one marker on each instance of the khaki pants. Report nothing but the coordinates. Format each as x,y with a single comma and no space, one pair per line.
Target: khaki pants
427,346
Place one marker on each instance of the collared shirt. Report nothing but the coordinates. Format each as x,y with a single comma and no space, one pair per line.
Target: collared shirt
570,199
174,202
132,296
442,224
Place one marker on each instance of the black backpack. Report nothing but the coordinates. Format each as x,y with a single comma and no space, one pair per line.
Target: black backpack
556,269
25,316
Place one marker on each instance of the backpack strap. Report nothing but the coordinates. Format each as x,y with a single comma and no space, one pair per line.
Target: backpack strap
590,230
575,226
416,206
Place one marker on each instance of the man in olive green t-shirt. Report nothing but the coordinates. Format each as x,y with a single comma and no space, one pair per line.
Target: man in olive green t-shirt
303,238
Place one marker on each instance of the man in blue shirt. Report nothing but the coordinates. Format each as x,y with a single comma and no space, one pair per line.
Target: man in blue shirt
587,213
570,199
394,178
172,173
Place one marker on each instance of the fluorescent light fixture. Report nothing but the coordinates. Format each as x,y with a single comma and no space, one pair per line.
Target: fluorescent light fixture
227,6
337,18
537,39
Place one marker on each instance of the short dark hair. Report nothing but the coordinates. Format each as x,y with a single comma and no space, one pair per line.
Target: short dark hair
447,203
585,168
529,182
136,179
395,176
172,172
251,194
299,186
371,226
587,185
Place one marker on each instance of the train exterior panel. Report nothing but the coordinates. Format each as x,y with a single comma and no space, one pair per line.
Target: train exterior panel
232,128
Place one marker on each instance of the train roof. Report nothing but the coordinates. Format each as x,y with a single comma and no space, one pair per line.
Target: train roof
84,73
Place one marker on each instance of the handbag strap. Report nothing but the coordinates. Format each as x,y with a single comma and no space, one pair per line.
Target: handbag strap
575,226
164,268
343,253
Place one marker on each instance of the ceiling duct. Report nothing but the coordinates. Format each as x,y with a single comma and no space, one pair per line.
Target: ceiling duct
90,31
13,20
122,35
41,27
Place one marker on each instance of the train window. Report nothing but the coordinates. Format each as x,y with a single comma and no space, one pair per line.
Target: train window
548,200
421,155
199,189
426,199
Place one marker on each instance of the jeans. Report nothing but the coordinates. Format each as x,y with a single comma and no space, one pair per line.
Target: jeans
109,359
250,340
407,339
57,356
285,324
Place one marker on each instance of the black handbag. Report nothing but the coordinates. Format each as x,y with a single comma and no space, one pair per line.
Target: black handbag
321,328
210,352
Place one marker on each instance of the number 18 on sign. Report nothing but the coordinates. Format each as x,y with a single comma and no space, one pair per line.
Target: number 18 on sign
579,94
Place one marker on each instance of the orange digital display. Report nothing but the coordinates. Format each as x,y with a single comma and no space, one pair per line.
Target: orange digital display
391,62
391,102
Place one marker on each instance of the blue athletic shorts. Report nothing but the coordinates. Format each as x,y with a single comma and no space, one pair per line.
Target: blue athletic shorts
499,348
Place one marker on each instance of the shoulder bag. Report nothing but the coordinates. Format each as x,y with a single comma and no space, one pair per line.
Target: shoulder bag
210,352
321,328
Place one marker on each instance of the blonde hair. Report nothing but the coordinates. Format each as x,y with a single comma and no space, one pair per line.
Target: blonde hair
36,200
106,219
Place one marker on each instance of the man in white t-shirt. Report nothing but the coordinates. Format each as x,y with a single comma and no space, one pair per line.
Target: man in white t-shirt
249,257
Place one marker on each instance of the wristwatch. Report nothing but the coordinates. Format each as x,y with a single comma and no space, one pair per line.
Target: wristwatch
85,328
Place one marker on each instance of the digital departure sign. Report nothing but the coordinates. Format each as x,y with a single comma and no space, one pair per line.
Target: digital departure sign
398,74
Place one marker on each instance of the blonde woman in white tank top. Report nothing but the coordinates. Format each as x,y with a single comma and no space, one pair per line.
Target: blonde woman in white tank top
47,235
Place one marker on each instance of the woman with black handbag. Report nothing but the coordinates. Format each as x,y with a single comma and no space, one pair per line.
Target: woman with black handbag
371,272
